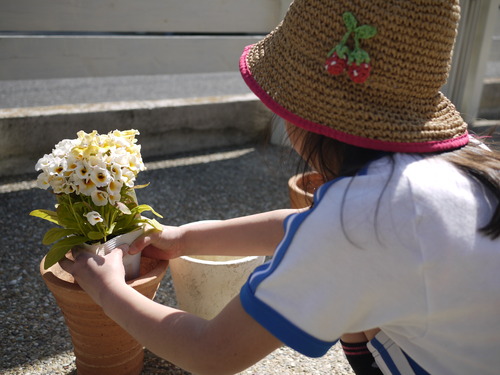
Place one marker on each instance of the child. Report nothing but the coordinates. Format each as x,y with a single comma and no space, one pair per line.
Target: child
400,252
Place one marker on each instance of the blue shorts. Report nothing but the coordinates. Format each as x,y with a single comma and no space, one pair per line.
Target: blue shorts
391,359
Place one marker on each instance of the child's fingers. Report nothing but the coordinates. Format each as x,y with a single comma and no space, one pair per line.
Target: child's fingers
155,253
139,244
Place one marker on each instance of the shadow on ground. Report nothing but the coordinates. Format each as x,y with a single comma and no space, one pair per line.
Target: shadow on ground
217,185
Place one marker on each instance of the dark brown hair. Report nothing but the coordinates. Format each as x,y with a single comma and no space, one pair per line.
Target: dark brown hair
483,165
332,158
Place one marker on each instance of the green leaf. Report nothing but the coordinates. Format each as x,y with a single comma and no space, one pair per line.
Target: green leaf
350,21
141,186
153,222
55,234
95,236
111,229
366,32
46,215
66,216
144,207
58,250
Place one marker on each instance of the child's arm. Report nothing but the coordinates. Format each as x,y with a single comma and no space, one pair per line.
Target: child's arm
249,235
227,344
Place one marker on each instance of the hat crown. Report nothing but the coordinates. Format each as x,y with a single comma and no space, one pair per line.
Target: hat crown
397,101
412,46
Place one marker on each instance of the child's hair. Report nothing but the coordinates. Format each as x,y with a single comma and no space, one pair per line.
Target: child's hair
333,158
482,165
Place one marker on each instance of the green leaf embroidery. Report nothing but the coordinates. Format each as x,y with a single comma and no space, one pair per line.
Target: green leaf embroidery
350,21
365,32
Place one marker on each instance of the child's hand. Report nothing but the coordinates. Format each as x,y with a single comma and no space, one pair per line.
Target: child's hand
97,274
165,244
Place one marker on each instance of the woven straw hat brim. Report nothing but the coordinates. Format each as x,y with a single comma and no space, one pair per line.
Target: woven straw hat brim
399,108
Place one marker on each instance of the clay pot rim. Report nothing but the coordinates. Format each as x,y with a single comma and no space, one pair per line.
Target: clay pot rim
56,275
296,182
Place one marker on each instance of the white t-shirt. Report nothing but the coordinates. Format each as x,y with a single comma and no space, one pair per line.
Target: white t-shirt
396,247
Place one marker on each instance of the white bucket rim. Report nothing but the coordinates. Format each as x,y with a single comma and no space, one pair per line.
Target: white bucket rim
242,259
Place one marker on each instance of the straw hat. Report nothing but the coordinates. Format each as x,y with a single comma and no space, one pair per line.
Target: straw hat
367,73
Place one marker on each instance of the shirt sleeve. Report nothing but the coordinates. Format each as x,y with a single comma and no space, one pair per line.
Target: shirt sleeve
278,324
330,273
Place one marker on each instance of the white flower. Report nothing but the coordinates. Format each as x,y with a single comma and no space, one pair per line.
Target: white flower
116,172
93,217
42,181
64,147
82,170
100,176
57,183
128,177
135,164
92,164
114,198
72,163
44,162
69,188
99,197
85,186
96,161
121,157
114,187
57,167
86,139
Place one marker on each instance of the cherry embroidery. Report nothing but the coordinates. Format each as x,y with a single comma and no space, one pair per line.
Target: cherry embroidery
359,73
335,65
356,61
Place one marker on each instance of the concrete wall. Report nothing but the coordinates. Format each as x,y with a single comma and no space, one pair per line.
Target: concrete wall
94,38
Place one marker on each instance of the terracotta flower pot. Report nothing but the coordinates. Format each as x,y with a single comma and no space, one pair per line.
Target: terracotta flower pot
100,345
301,188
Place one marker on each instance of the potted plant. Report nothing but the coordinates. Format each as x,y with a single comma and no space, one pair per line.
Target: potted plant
92,178
93,181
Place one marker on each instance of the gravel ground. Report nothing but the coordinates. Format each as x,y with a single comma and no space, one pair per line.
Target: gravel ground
217,185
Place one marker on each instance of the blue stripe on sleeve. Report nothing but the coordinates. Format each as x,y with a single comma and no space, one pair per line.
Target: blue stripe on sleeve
274,322
280,327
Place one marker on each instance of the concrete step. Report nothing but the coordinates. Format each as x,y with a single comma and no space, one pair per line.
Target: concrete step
174,114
